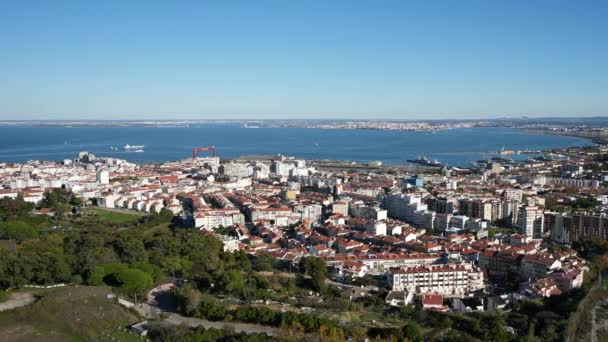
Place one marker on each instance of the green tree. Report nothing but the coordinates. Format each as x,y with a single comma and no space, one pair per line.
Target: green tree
176,265
202,250
316,268
154,271
232,282
17,230
411,330
133,281
130,248
264,262
11,208
188,300
494,329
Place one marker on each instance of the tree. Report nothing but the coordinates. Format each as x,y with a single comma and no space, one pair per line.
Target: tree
211,308
177,266
411,330
316,268
130,249
494,327
264,262
133,281
17,230
232,282
359,334
203,250
600,262
188,300
154,271
331,334
11,208
86,249
55,197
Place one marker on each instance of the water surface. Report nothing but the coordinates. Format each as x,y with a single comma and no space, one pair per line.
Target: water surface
454,146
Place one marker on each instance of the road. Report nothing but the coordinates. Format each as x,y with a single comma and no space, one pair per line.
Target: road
17,300
158,302
327,281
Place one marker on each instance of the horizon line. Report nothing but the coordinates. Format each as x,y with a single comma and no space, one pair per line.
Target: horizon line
522,117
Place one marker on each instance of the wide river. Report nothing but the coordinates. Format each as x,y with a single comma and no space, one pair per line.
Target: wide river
454,146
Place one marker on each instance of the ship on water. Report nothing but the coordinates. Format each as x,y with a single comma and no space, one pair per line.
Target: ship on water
504,152
422,160
128,147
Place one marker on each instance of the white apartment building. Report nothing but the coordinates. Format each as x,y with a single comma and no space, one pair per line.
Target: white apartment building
455,280
210,219
310,211
425,218
530,221
403,207
279,217
360,210
381,262
103,177
238,170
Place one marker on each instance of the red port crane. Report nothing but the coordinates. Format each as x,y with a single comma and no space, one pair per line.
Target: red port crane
202,149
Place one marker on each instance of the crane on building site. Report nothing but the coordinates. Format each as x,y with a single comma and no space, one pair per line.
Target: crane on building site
196,150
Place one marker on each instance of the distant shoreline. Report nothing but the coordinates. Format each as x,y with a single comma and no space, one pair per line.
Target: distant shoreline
380,125
596,139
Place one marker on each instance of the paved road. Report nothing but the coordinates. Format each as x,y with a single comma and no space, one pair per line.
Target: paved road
17,300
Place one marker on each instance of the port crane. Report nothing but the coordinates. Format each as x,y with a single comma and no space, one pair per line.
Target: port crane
202,149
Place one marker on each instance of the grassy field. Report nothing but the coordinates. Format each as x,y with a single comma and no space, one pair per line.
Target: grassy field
366,318
74,313
113,216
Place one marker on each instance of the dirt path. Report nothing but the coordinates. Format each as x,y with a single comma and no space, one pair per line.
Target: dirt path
601,324
17,300
238,327
156,305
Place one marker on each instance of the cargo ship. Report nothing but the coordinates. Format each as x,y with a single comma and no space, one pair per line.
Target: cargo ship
128,147
422,160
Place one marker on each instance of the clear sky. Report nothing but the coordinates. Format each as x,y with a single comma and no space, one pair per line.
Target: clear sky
302,59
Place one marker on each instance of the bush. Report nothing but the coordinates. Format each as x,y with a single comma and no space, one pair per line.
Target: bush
154,271
17,230
132,281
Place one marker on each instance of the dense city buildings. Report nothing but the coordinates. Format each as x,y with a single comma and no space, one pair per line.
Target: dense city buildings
447,232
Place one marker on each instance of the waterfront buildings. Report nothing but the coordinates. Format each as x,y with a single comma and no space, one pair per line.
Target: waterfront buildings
418,231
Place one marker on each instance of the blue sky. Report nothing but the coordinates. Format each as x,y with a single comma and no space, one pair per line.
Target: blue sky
302,59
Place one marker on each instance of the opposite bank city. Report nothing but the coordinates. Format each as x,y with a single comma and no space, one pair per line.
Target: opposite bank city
279,248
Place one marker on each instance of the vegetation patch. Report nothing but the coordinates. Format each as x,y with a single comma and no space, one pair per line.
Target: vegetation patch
112,216
72,313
